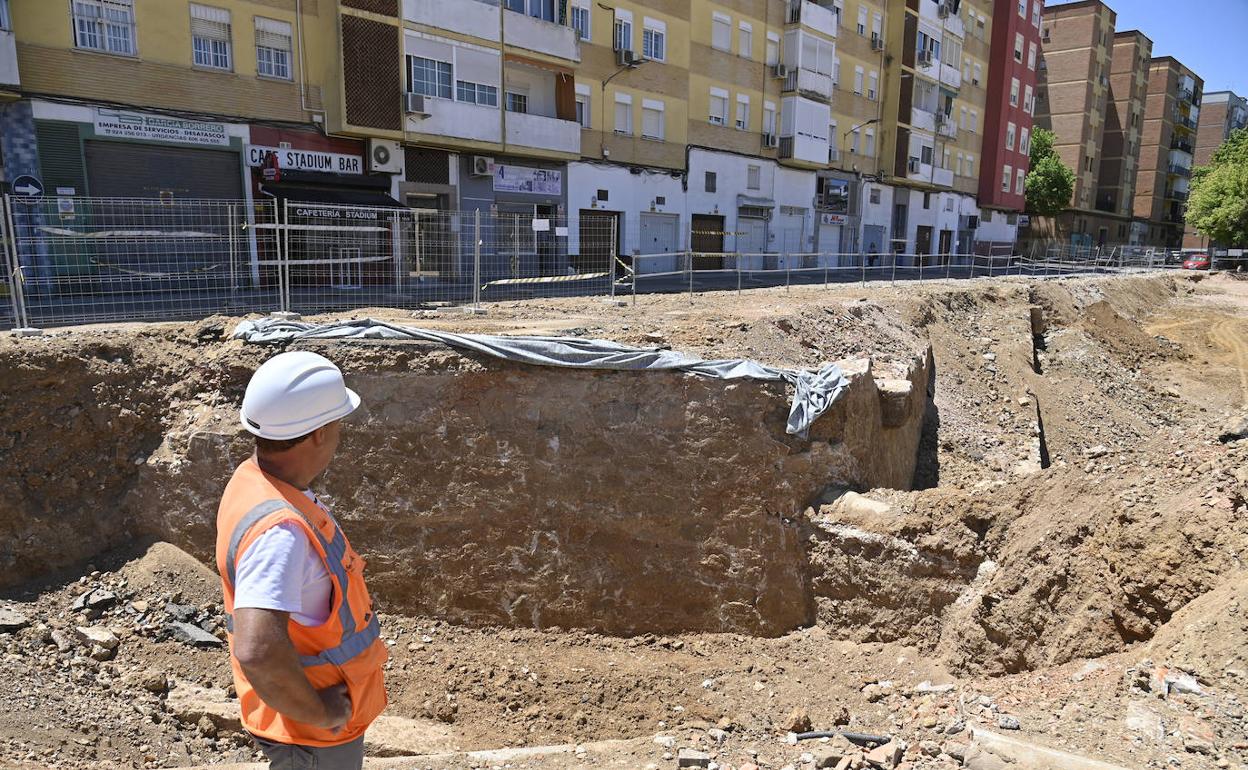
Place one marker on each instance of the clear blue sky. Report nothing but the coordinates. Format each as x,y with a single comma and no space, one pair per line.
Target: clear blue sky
1206,35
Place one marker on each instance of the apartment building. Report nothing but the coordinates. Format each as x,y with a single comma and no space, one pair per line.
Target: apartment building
1123,135
1008,116
934,107
1221,114
1167,149
171,99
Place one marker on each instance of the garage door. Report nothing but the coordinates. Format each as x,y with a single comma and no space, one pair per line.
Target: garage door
660,234
792,224
830,244
121,170
751,235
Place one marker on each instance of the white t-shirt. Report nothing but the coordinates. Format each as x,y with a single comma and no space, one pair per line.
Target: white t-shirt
282,571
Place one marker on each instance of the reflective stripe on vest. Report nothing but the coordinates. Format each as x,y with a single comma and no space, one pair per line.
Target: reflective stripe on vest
352,641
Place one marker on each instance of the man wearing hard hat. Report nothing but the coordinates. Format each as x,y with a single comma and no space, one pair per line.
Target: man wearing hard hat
304,640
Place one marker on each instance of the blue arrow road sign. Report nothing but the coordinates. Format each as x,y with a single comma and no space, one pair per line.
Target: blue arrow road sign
28,186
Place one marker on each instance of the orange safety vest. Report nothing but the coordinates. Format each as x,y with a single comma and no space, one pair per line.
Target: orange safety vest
345,649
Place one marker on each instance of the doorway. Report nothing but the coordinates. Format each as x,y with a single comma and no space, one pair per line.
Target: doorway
707,241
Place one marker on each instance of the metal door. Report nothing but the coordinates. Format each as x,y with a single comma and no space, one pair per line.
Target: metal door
660,233
792,225
830,244
707,239
751,235
124,170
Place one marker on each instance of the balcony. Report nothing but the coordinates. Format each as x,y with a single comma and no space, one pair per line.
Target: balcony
949,75
539,35
945,126
809,83
925,172
922,120
1177,170
8,60
458,120
804,132
478,19
942,177
1182,146
1176,195
1184,121
538,132
813,16
1187,95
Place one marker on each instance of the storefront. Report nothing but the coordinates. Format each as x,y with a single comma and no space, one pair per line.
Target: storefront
524,215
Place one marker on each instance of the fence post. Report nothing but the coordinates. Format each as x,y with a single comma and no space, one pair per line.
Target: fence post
233,268
691,276
13,272
613,258
894,268
738,272
476,261
922,258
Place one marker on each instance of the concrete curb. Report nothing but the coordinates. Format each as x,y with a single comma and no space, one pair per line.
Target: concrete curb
1030,756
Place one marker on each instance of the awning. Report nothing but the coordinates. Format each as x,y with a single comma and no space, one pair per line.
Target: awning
344,196
750,200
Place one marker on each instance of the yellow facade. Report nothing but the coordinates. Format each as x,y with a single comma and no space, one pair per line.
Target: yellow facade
850,109
161,71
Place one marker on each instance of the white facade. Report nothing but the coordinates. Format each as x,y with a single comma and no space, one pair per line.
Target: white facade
945,212
8,59
630,195
994,226
467,18
545,37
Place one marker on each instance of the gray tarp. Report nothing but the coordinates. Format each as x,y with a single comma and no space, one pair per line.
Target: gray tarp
813,393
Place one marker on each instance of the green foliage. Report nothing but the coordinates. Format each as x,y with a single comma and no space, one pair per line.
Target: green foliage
1218,204
1050,183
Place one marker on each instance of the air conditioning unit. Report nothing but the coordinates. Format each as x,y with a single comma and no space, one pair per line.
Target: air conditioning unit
877,43
482,165
626,57
415,104
780,71
942,10
385,156
913,166
925,58
770,140
740,125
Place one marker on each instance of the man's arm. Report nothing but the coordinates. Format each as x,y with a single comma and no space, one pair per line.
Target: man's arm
263,650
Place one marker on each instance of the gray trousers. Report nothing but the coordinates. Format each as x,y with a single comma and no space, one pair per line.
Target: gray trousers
285,756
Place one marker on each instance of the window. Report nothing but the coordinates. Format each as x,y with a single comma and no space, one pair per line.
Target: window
1031,56
1029,104
981,27
1022,9
210,37
710,181
4,15
1010,131
966,70
870,143
745,40
961,160
743,112
927,200
583,110
877,26
654,40
100,25
945,160
979,74
272,48
862,20
773,49
540,9
581,21
517,102
1018,47
718,113
769,118
836,70
974,121
652,119
623,32
721,32
875,195
624,114
429,77
1020,181
970,165
1024,141
1007,178
753,177
1013,92
1035,13
873,85
478,93
962,124
855,141
858,75
926,154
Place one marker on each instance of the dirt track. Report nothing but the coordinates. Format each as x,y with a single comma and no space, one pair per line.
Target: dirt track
1047,595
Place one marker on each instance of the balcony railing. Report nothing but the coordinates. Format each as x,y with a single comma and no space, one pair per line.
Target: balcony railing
1177,170
1179,144
1176,195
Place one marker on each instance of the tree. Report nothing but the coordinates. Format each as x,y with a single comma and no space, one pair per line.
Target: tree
1218,204
1049,183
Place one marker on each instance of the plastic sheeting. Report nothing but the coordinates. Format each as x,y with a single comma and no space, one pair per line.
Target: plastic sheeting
814,392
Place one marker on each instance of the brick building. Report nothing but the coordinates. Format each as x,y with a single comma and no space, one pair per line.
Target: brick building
1221,113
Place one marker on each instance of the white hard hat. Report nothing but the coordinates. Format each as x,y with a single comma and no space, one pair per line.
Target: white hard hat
293,394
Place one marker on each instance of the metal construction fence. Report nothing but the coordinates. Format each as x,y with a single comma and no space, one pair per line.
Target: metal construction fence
88,260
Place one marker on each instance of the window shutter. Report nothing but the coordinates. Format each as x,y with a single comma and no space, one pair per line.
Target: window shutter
272,34
210,23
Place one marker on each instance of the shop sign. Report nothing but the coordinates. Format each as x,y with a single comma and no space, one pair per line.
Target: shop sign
137,125
522,179
288,159
333,212
834,219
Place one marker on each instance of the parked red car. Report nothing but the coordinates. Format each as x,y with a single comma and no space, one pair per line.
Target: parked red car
1196,262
